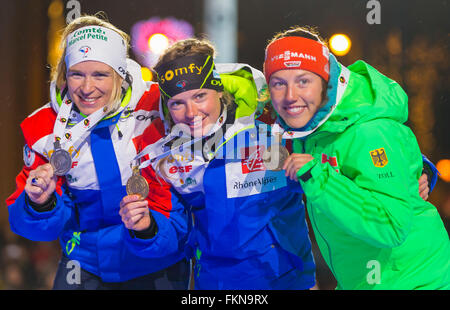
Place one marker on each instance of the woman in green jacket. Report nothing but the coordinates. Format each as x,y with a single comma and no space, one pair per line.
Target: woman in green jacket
358,164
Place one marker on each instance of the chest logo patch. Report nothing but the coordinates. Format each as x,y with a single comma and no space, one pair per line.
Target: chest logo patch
332,160
249,176
252,159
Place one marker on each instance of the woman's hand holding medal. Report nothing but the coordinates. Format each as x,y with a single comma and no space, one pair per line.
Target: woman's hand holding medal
135,213
293,164
41,184
276,157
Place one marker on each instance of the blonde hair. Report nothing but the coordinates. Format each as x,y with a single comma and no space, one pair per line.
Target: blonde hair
190,47
58,74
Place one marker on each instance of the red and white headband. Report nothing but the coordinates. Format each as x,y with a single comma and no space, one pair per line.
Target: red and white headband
297,53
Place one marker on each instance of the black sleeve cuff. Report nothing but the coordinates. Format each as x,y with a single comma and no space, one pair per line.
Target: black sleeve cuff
306,176
148,233
429,173
49,205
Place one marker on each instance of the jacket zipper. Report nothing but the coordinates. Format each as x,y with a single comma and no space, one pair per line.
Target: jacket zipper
313,220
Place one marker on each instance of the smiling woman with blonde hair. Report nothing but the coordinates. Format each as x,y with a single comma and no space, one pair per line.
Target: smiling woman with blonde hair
246,215
59,72
78,153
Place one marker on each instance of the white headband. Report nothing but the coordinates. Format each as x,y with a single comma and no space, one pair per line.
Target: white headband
99,44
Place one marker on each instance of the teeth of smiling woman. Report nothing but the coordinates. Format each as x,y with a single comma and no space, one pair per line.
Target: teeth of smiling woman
89,100
295,109
196,122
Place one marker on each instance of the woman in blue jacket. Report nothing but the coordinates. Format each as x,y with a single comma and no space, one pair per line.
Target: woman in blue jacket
77,156
248,229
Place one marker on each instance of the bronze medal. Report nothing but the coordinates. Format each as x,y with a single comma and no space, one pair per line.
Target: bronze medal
275,156
137,184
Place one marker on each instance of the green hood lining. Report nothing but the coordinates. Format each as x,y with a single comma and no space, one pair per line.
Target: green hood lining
242,86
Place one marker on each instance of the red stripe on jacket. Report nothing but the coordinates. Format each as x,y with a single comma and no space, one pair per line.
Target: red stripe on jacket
149,100
159,197
38,125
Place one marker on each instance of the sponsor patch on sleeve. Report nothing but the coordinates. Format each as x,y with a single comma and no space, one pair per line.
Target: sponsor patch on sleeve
379,157
28,156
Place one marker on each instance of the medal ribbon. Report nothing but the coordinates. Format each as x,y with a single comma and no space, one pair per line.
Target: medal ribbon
172,135
78,132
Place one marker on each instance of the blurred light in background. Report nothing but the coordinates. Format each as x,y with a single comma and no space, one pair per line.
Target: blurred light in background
147,75
55,9
157,43
340,44
151,37
55,14
444,168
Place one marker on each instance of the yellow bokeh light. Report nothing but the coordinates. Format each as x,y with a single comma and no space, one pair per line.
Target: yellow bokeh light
158,42
146,74
340,44
55,9
444,169
56,23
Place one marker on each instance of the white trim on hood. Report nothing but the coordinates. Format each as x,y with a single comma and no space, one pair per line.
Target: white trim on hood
341,87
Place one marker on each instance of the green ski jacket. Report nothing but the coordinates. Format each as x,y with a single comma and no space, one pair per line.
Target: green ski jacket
372,227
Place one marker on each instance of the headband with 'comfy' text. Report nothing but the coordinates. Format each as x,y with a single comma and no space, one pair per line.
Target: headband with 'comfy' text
187,73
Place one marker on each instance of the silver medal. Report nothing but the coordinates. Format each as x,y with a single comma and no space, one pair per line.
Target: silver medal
61,160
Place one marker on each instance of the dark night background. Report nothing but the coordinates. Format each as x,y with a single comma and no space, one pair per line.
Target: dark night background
410,45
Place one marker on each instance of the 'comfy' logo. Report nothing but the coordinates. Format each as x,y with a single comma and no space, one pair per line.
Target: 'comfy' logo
170,74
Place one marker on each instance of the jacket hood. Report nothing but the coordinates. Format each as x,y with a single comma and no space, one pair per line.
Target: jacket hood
369,95
356,94
134,93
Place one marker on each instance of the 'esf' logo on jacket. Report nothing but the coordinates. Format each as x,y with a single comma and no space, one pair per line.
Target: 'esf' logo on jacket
252,159
180,169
